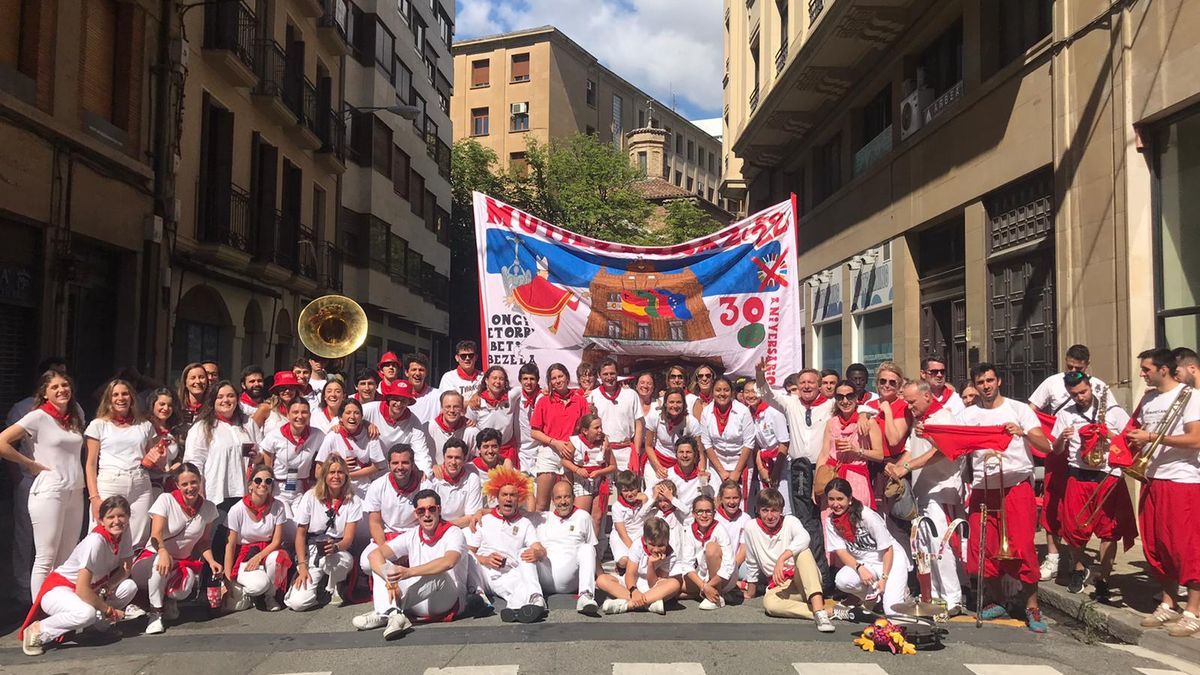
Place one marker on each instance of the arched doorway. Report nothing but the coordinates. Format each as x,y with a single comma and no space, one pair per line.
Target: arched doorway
254,337
203,329
284,336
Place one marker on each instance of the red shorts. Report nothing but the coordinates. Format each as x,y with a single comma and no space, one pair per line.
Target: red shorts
1168,515
1020,508
1114,522
1054,487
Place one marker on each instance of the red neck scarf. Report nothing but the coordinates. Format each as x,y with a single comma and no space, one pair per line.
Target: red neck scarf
245,398
467,377
705,398
334,505
189,511
934,406
386,411
122,420
666,510
730,517
563,519
769,531
282,409
947,392
222,418
494,401
850,421
113,543
63,418
561,397
722,417
414,482
616,393
418,393
193,407
691,475
815,402
482,465
432,540
674,420
515,516
758,410
634,505
452,481
527,399
291,435
864,397
347,436
703,535
447,428
257,512
845,528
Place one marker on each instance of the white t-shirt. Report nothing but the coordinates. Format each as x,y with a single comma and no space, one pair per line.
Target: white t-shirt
728,443
587,457
121,448
557,534
770,429
528,450
1071,416
250,531
462,497
394,508
653,408
940,480
452,380
1052,393
508,538
94,553
763,549
951,401
500,417
420,553
359,452
617,418
56,449
438,436
321,419
688,489
806,424
735,527
408,429
671,565
632,517
288,455
313,514
183,533
1180,465
695,556
428,405
21,409
665,438
872,538
220,457
1018,461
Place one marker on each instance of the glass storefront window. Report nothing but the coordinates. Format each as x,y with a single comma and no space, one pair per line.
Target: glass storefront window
1178,235
874,339
829,345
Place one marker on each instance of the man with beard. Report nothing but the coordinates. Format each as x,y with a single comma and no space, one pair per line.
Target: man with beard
567,542
389,503
508,550
396,423
253,387
1187,366
432,587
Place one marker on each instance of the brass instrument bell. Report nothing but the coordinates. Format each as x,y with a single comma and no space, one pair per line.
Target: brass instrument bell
332,326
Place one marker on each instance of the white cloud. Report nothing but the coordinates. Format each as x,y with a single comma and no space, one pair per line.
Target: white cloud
662,46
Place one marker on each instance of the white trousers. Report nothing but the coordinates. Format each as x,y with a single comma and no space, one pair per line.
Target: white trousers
516,584
56,517
328,569
568,570
22,552
419,596
155,584
135,486
943,574
66,611
262,580
895,589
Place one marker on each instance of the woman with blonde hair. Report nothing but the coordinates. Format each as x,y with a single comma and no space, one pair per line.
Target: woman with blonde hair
193,388
116,445
326,518
255,562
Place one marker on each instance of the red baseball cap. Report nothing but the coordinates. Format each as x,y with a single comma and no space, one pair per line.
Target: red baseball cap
398,389
284,378
389,357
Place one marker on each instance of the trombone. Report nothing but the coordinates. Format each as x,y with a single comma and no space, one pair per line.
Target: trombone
1004,552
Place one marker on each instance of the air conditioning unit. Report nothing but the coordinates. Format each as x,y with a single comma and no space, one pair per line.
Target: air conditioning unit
912,110
520,108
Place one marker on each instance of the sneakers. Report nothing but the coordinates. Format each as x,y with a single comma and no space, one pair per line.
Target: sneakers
271,602
1033,619
478,606
709,605
133,611
844,612
31,640
397,624
1186,626
155,625
823,621
1162,616
658,607
530,613
992,612
369,621
586,605
1103,594
1049,568
615,606
1078,579
170,609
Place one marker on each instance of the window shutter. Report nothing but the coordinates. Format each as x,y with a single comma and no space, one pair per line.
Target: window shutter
416,194
381,142
480,73
400,179
520,67
10,32
99,57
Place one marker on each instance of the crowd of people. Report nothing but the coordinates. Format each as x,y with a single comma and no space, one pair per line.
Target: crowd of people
829,499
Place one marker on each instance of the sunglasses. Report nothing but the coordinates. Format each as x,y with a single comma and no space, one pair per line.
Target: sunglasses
843,397
704,376
258,480
466,356
422,510
702,511
936,371
890,383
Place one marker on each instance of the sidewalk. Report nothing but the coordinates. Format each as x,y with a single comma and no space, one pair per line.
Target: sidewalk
1133,598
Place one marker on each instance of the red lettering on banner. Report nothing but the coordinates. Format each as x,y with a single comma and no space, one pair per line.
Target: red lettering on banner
730,315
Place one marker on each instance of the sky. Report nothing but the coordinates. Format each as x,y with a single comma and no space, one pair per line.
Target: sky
661,46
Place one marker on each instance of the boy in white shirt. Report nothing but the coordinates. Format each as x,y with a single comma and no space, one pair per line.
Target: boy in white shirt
777,549
651,577
709,555
628,513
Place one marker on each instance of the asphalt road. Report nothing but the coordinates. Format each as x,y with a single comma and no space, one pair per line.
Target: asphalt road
684,642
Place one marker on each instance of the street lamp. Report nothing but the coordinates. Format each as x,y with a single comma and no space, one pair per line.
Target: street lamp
408,112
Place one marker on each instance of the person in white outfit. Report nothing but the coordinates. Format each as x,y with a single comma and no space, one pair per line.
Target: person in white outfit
351,439
54,432
591,463
727,431
327,413
690,482
663,428
90,588
289,451
628,514
394,419
568,539
506,553
874,566
466,378
116,445
326,519
495,406
389,502
460,490
181,528
619,409
450,422
256,563
223,444
708,556
432,587
651,577
777,551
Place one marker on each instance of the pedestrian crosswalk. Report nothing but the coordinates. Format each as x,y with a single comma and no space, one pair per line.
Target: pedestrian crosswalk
809,668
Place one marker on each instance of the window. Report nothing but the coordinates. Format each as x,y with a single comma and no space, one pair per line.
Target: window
643,162
876,116
690,182
100,46
416,267
419,120
691,150
679,144
430,216
827,176
710,194
381,147
941,63
401,165
480,73
641,119
829,345
873,344
378,245
591,93
403,82
405,8
614,329
617,133
418,32
700,157
416,194
520,117
479,121
678,179
397,257
385,45
318,210
712,163
520,67
445,28
1020,24
1177,276
516,161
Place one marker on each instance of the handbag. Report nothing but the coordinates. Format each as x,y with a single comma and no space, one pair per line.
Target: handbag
904,505
821,478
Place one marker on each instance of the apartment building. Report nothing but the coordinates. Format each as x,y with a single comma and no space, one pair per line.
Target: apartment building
541,84
77,195
976,179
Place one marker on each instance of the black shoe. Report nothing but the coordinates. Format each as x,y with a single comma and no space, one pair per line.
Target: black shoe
1103,593
531,613
508,615
1078,579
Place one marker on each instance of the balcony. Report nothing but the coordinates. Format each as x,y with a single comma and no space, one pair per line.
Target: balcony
332,152
310,8
229,43
331,26
272,91
331,269
223,226
309,117
943,102
305,279
754,99
275,254
781,57
815,7
876,149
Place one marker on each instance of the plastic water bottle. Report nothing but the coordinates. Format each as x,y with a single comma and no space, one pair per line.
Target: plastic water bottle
291,483
213,591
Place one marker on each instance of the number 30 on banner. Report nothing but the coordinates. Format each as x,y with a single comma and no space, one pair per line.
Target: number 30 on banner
751,308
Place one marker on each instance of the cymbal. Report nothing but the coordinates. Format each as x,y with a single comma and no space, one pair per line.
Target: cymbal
918,609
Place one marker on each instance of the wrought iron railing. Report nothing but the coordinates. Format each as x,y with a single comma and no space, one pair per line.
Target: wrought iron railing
232,26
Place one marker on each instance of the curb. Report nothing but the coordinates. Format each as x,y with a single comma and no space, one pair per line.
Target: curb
1117,623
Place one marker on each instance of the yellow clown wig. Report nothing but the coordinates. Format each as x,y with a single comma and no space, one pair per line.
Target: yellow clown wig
502,476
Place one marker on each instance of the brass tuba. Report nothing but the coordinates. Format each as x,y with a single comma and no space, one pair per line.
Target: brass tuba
1098,455
332,326
1141,461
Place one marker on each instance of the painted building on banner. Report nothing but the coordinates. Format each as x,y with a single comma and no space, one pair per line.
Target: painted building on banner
976,179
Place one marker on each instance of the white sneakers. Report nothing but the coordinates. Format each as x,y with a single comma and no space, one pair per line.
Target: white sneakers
823,621
1049,568
335,598
237,600
397,623
271,602
132,611
657,607
369,621
615,606
31,640
586,605
155,625
709,605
